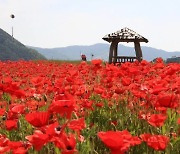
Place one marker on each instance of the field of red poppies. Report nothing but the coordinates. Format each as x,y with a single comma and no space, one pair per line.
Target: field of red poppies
50,107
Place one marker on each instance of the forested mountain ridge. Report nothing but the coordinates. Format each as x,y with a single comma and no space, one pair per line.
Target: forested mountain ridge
12,49
101,50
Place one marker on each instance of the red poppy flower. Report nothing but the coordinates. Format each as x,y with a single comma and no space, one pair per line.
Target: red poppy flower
20,150
157,142
133,70
158,88
87,104
4,149
126,81
118,141
8,80
38,119
66,143
19,108
19,93
78,124
119,90
4,144
11,124
51,129
11,116
145,137
63,107
157,120
17,147
167,100
159,66
98,90
96,62
37,80
38,139
135,141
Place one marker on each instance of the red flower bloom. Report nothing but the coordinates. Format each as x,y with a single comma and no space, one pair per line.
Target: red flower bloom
145,137
37,119
158,88
119,90
87,104
38,139
19,93
63,107
17,147
126,81
51,129
18,109
11,124
66,143
157,120
15,144
96,62
157,142
98,90
167,100
135,141
20,150
77,125
4,144
118,141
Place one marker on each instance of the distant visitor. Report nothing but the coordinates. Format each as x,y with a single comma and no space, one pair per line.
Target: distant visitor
83,57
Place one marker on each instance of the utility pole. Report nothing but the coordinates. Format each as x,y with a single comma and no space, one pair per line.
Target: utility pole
12,31
12,16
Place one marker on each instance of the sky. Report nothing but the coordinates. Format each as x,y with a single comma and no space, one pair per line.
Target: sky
61,23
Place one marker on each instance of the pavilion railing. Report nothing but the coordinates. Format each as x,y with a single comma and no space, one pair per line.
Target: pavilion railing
123,59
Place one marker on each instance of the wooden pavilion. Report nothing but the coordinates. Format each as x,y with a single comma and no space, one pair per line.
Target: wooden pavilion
124,35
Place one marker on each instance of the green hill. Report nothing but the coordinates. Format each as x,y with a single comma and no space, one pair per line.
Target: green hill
11,49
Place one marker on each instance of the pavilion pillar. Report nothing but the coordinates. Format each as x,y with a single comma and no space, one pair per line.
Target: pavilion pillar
115,52
138,50
111,53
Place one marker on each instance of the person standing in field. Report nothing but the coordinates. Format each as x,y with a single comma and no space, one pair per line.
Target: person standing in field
83,57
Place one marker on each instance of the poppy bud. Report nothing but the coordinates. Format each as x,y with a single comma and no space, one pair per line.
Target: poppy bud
3,117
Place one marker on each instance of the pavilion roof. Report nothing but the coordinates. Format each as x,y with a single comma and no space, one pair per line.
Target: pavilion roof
124,35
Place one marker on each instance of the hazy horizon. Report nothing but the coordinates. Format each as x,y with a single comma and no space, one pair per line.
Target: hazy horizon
127,45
